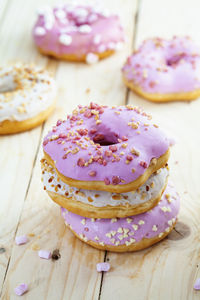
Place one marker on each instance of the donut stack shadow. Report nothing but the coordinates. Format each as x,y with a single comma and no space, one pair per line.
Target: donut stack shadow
107,169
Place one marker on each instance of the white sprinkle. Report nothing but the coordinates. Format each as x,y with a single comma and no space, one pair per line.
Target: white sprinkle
128,220
92,58
83,221
108,235
97,39
160,234
167,229
81,12
20,240
85,29
117,243
60,14
132,240
154,228
111,46
102,244
48,25
92,18
40,31
120,230
102,48
44,254
96,238
119,46
103,267
135,227
141,222
65,39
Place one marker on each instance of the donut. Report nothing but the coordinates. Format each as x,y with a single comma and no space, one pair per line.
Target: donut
101,204
112,149
127,234
164,70
27,97
77,33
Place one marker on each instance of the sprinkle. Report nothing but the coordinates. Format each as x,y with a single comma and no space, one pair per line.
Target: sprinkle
115,180
40,31
101,48
113,220
197,284
21,289
135,227
128,220
44,254
154,228
56,254
133,170
83,221
141,222
65,39
108,235
102,244
96,238
143,164
120,230
160,234
103,267
85,28
117,243
92,173
97,39
20,240
92,58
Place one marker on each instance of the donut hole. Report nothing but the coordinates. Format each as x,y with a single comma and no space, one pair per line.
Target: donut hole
105,139
175,59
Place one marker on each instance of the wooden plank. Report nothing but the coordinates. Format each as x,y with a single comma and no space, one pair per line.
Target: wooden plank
167,270
17,151
74,276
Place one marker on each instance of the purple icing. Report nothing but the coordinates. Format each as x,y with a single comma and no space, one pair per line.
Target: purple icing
133,229
165,66
70,144
101,32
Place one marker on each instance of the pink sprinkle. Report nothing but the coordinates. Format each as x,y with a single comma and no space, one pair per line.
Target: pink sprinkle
87,114
59,122
107,181
45,142
108,153
20,240
92,173
21,289
103,267
81,162
129,157
143,164
44,254
115,180
124,138
197,284
113,148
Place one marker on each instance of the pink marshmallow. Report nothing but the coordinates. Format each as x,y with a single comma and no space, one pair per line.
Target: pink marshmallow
20,240
21,289
197,284
103,267
44,254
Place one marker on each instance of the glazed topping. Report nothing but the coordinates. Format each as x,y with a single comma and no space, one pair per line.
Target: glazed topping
97,143
165,66
127,231
25,91
81,30
149,190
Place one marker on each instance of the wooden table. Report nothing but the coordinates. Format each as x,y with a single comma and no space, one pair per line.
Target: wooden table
165,271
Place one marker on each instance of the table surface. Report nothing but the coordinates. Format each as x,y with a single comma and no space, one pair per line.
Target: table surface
165,271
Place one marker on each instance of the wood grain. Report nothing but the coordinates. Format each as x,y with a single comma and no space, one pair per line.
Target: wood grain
168,270
74,276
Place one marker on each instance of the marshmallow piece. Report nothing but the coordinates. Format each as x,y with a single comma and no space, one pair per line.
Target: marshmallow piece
92,58
20,240
97,39
85,29
21,289
197,284
103,267
44,254
40,31
65,39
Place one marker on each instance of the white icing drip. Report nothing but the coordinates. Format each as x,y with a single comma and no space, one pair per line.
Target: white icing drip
24,95
105,198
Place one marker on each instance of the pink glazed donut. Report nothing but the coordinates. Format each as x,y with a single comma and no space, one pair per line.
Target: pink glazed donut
114,149
128,234
78,33
164,70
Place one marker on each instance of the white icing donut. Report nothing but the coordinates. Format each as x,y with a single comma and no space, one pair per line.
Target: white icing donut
149,190
25,91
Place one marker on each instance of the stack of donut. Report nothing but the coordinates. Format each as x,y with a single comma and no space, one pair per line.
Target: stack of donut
107,169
